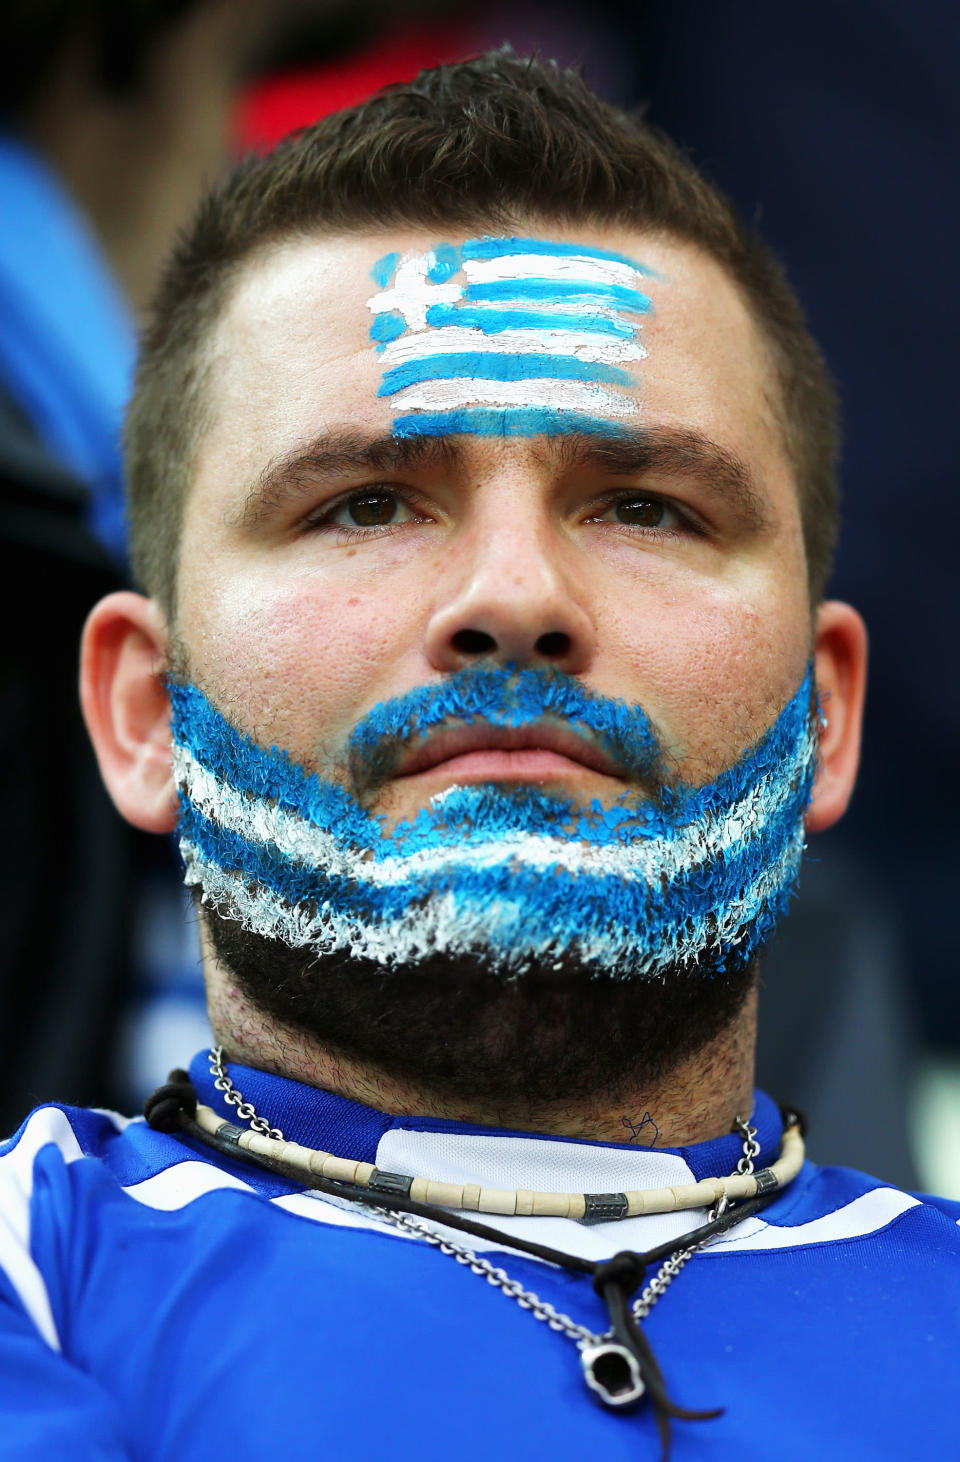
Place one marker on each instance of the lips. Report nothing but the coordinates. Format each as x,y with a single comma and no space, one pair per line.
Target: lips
533,751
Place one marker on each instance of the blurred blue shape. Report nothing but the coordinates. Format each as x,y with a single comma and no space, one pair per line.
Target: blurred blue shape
67,343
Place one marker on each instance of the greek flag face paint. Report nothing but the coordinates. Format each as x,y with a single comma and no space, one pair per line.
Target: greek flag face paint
511,876
509,337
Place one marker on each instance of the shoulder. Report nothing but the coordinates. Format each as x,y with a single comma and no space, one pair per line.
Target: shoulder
73,1131
948,1207
65,1178
841,1206
61,1150
64,1158
52,1137
59,1136
122,1152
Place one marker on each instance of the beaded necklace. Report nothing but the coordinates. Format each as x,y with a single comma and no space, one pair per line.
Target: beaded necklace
263,1140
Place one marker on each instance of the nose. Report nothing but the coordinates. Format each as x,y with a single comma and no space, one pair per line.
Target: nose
509,594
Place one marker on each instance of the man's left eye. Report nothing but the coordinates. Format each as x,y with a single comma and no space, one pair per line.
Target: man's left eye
640,511
643,512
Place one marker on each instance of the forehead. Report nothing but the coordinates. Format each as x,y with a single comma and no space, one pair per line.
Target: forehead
332,332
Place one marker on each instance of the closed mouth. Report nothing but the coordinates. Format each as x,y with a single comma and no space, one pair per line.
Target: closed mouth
533,751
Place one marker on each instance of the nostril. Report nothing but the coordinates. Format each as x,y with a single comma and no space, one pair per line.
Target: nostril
553,645
473,642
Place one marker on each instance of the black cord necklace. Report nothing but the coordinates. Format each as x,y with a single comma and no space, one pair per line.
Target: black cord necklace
621,1372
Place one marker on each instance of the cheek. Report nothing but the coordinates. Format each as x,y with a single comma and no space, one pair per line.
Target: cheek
296,665
714,668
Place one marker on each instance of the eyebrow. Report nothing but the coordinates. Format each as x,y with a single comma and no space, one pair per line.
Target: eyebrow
339,454
677,451
629,452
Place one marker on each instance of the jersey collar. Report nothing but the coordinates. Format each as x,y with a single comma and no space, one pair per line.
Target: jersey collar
321,1119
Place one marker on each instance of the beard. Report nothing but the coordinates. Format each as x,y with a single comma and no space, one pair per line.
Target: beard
507,945
545,1036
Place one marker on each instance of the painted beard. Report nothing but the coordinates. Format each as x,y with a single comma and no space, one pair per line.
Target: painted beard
512,876
505,942
503,945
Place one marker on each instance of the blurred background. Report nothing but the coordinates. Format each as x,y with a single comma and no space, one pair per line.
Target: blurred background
832,126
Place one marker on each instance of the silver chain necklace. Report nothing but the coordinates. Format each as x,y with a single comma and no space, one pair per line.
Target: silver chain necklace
593,1346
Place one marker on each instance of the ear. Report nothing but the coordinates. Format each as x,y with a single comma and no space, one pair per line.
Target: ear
123,655
840,665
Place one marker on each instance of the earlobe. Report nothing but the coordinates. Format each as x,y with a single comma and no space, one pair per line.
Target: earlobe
840,662
123,657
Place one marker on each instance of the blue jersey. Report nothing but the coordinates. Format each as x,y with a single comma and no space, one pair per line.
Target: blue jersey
160,1302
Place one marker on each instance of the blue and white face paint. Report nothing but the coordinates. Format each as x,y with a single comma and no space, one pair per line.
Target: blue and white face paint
509,337
512,877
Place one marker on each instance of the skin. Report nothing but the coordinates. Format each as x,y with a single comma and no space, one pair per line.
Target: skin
296,623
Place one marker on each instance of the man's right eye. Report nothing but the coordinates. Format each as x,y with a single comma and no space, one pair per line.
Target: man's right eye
367,508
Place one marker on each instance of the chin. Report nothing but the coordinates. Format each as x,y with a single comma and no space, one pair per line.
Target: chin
456,1023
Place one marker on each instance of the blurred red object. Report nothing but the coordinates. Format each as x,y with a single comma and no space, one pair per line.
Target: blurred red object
272,106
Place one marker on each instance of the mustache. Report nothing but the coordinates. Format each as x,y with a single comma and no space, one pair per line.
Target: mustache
507,696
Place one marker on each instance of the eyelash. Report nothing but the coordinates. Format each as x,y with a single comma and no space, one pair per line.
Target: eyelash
685,524
322,520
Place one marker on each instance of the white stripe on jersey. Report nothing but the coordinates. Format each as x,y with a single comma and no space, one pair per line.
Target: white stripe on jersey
866,1214
48,1125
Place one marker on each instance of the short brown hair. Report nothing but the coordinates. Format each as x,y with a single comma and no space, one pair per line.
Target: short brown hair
487,142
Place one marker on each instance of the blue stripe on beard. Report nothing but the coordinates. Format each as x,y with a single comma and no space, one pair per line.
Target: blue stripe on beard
518,905
690,892
497,697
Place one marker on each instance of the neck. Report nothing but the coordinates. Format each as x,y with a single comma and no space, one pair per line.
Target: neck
697,1099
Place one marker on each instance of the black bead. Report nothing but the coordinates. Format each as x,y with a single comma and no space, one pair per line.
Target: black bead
604,1207
390,1183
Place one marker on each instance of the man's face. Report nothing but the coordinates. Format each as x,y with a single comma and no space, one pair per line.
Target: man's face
311,590
333,566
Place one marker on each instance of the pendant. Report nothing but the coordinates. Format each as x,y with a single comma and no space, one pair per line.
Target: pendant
612,1372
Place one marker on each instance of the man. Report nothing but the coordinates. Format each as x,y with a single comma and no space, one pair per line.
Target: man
481,487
